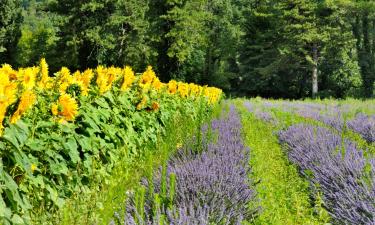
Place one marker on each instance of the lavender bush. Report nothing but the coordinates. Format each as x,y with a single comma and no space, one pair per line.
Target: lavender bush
338,168
364,125
211,187
262,115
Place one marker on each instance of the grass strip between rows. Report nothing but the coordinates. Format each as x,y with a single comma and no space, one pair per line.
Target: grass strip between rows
283,194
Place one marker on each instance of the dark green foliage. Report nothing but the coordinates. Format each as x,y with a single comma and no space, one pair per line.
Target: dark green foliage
288,48
10,22
286,40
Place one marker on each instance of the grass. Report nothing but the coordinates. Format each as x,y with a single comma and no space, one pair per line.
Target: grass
284,196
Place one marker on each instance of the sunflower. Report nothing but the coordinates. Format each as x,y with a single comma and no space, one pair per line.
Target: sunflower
147,78
45,80
103,79
64,75
28,99
155,106
28,77
86,78
69,107
9,93
142,104
172,87
128,78
183,89
6,69
157,84
55,109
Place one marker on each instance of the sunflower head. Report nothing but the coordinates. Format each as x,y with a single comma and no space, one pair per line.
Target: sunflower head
147,77
28,99
28,77
6,69
155,106
68,106
128,78
142,103
172,87
55,109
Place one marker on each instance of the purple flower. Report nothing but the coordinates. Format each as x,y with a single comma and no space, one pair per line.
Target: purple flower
211,186
337,168
364,125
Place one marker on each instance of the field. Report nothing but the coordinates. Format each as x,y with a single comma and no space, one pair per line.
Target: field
110,146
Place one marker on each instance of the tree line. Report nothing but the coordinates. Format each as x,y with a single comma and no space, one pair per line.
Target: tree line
269,48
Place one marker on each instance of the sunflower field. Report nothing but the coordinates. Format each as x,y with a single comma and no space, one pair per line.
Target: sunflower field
60,132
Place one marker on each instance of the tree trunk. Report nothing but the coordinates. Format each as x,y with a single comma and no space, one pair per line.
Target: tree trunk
315,71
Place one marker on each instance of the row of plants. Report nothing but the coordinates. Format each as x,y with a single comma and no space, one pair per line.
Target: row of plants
204,182
63,132
338,164
284,196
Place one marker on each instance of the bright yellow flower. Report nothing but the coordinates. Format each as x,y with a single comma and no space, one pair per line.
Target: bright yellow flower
157,84
146,78
8,93
28,77
28,99
103,80
45,81
69,107
64,75
194,90
142,104
128,78
7,70
55,109
172,87
86,78
33,167
113,73
183,89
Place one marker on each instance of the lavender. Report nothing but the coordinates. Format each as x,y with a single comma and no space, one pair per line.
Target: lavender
262,115
338,168
364,125
211,187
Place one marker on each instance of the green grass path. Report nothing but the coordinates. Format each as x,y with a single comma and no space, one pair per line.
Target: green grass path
283,194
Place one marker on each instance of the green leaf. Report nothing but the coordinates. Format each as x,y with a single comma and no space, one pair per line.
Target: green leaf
59,168
59,202
16,219
16,134
72,147
4,211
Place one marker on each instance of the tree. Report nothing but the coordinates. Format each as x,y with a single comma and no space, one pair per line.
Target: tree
10,21
287,41
38,37
363,23
105,32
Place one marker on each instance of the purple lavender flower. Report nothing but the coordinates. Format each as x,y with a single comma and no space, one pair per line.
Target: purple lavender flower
262,115
364,125
211,187
338,168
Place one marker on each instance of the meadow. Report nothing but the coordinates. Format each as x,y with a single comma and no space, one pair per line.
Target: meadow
111,146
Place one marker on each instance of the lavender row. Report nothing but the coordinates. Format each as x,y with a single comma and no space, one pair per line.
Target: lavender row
211,187
333,116
262,115
340,171
364,125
